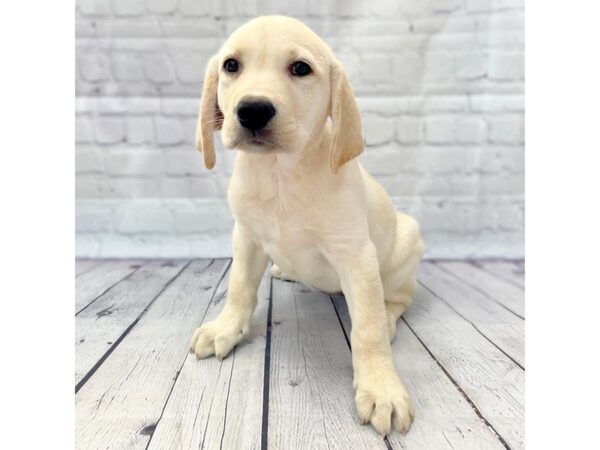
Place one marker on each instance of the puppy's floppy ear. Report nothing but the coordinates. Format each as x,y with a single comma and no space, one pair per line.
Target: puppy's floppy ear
347,140
210,118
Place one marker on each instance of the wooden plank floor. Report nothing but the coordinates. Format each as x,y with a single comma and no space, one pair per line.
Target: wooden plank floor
459,350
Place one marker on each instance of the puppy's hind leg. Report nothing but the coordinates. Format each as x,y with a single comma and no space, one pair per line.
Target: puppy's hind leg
398,303
400,281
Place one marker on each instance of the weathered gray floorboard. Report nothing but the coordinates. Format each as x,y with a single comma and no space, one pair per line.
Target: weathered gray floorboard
512,272
491,380
311,399
218,404
121,403
84,265
443,418
498,290
93,283
494,321
99,326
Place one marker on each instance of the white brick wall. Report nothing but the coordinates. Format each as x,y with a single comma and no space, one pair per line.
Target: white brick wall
439,82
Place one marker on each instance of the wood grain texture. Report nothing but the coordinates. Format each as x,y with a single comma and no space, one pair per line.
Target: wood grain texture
218,404
93,283
508,295
443,418
495,322
512,272
124,399
311,396
99,326
493,382
85,265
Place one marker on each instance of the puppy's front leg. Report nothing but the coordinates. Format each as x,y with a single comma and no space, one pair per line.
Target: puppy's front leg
381,398
219,336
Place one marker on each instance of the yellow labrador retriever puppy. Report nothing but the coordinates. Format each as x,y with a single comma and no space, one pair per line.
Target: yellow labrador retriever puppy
301,199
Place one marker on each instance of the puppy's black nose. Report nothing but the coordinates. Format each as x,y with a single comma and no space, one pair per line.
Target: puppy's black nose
254,115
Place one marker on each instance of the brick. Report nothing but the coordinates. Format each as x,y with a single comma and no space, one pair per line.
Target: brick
384,8
471,130
440,130
108,130
168,131
190,68
294,9
377,130
472,65
83,130
144,217
127,68
86,187
351,63
506,66
85,105
233,8
191,187
411,7
433,187
162,6
96,8
189,131
376,68
180,107
202,217
445,6
352,9
408,66
93,67
439,218
440,66
135,162
501,185
128,8
493,160
409,130
158,69
194,8
506,129
382,161
446,160
130,188
88,161
497,103
462,185
184,163
492,5
511,217
139,130
445,103
93,217
142,105
111,106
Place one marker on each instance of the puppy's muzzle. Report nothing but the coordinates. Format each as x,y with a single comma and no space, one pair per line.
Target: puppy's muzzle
255,114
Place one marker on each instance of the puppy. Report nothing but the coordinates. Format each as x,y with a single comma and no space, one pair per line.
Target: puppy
300,198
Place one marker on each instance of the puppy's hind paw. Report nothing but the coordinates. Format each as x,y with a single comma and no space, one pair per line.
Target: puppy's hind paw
276,272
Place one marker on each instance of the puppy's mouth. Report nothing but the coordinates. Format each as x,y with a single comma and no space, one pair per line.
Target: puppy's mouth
256,140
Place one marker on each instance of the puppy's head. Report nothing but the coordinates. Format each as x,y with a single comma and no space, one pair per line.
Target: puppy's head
271,88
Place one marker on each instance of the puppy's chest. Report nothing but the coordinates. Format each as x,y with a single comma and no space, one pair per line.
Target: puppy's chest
284,223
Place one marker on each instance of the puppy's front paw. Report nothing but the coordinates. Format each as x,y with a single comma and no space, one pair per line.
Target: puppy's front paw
218,337
384,402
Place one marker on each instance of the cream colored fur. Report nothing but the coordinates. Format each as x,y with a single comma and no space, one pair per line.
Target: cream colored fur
302,200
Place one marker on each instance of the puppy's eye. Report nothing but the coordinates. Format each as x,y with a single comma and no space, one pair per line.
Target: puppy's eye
231,65
300,69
